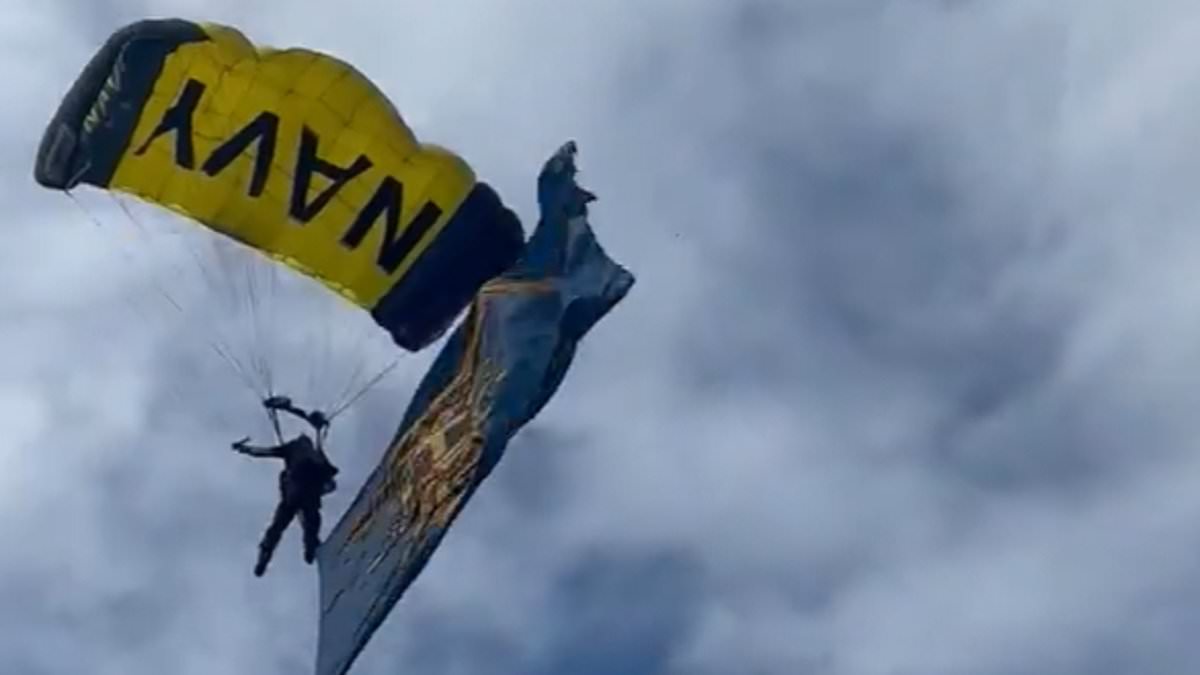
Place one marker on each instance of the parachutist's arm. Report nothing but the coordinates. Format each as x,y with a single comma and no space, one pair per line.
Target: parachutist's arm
315,418
256,450
293,410
283,403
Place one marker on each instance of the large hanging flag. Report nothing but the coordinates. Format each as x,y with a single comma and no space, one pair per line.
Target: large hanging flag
496,372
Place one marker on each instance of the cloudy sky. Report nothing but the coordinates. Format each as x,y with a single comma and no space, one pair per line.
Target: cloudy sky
908,384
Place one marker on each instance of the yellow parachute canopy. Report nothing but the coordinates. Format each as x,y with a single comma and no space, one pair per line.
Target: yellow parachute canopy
292,152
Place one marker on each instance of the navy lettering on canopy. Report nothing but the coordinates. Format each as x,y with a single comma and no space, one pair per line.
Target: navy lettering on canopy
178,119
388,201
308,163
262,130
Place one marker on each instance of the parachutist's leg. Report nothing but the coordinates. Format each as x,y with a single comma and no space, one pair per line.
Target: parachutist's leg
310,521
279,522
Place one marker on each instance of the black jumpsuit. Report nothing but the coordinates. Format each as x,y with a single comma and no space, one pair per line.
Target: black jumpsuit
307,476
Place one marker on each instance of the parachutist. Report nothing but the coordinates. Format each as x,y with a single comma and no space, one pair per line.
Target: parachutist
307,477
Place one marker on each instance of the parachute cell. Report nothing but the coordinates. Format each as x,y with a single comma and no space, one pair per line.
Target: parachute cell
292,152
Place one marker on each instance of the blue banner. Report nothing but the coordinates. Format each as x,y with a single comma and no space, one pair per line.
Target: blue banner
495,373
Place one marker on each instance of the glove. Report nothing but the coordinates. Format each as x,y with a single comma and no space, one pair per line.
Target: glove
240,444
276,402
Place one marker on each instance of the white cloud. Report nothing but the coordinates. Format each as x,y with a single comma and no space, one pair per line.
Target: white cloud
906,385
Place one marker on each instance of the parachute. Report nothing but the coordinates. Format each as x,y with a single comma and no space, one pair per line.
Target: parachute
293,153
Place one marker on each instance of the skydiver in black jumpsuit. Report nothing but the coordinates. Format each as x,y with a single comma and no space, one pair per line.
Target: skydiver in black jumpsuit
307,476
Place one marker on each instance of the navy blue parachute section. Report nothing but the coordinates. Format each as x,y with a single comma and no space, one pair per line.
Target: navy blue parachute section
496,372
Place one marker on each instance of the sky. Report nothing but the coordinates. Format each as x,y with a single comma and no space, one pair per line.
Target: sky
907,385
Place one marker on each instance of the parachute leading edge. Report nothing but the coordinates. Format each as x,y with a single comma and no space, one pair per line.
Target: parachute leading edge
292,152
495,373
